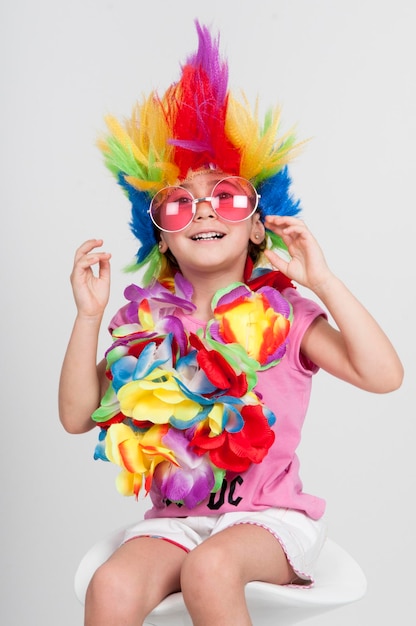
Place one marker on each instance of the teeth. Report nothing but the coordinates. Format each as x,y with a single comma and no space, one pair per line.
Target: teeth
205,236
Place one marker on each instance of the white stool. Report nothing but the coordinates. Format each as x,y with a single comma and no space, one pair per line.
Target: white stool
339,580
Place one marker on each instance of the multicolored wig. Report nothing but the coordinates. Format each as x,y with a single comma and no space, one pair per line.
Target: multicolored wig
197,124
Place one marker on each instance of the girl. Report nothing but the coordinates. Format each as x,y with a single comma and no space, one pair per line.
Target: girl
205,387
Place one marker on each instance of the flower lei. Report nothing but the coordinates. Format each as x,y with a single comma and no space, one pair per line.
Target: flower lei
181,408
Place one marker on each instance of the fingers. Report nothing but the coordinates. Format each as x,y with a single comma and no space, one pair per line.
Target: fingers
285,224
86,255
292,230
277,261
282,220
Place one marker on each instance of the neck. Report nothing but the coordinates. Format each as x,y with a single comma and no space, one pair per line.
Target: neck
205,287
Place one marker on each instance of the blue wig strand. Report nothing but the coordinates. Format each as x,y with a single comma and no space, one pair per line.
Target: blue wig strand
140,224
276,198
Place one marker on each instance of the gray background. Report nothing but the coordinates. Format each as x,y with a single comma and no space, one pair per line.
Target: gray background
344,72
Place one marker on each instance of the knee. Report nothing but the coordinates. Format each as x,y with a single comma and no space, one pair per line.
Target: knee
109,593
104,583
205,569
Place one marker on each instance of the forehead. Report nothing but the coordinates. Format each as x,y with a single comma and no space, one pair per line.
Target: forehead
202,180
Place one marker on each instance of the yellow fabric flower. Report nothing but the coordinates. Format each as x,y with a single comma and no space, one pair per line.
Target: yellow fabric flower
157,397
253,324
138,453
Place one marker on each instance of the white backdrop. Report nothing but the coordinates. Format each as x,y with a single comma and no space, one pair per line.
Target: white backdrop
344,72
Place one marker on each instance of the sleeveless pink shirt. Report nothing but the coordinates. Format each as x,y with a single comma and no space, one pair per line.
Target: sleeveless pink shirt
274,482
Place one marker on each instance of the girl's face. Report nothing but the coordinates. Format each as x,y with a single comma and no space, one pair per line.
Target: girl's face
210,245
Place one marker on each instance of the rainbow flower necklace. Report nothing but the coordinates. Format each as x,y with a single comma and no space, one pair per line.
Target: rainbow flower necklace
181,407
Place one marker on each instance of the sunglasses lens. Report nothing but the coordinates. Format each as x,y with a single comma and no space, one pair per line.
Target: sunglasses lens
171,209
234,199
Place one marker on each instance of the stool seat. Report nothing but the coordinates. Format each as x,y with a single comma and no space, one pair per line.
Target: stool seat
339,580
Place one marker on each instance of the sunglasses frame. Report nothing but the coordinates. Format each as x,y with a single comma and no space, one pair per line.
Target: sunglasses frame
209,199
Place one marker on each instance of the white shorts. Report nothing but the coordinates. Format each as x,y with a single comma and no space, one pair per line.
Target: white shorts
300,536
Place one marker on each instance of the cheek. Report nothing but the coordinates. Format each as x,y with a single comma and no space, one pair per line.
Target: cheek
247,230
169,241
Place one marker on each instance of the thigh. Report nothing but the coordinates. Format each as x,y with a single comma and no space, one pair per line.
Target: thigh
249,550
142,571
300,537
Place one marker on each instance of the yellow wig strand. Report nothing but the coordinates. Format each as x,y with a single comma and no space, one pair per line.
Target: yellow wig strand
263,153
139,149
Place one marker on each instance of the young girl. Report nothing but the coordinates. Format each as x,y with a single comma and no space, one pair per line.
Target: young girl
206,385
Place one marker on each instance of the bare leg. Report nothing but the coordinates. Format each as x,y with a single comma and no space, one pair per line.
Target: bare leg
132,582
215,573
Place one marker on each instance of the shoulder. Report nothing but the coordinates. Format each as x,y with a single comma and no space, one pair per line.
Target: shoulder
305,313
305,309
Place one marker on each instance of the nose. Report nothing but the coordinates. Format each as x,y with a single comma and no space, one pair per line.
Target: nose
203,209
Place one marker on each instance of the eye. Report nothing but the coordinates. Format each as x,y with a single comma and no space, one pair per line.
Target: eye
229,188
180,197
224,195
183,200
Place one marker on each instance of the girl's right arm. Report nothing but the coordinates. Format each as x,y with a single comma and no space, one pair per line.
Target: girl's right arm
82,381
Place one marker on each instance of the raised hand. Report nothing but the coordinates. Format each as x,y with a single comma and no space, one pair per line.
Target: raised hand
307,264
91,290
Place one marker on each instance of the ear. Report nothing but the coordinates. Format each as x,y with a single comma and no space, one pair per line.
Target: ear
258,231
163,246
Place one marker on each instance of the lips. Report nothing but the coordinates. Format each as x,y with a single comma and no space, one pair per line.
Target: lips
208,236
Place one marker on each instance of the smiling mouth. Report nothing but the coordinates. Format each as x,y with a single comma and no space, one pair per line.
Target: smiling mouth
207,236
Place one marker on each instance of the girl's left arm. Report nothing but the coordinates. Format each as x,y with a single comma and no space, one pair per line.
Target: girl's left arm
358,352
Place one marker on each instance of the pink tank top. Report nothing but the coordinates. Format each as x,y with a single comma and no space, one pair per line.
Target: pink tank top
275,482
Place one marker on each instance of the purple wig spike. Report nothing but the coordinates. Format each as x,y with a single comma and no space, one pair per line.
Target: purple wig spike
207,57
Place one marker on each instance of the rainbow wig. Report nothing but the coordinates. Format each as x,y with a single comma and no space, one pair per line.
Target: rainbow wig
197,124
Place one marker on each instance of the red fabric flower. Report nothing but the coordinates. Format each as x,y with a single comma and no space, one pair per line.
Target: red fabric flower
218,371
116,419
237,451
137,347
